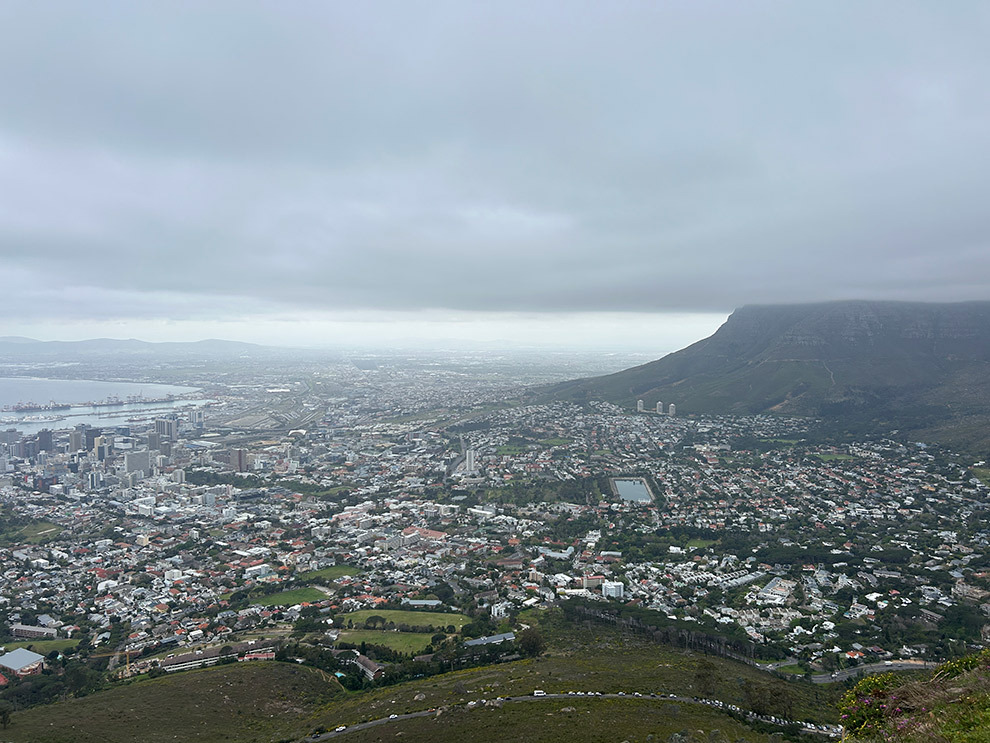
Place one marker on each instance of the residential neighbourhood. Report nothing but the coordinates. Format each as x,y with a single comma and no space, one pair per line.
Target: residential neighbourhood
188,533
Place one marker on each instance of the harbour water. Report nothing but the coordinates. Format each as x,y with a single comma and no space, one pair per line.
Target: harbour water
30,404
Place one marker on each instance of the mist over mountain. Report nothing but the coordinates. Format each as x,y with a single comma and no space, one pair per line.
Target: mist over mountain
913,366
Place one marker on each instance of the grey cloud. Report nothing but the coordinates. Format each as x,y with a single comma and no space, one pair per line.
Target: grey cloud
164,160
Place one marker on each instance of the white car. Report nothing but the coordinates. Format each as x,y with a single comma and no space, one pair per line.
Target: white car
339,728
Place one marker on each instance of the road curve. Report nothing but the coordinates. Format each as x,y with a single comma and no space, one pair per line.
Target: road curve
831,731
848,673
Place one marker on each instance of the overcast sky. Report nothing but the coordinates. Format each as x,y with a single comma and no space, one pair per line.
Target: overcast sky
596,173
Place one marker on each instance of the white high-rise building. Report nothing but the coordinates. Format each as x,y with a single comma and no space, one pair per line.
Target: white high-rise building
639,406
672,410
469,463
612,589
659,407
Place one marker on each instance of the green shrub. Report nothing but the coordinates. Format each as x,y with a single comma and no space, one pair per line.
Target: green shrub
864,709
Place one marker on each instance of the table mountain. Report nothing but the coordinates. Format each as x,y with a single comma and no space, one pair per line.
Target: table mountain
915,366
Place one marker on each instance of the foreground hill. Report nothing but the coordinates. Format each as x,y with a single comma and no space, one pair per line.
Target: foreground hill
270,701
951,706
923,367
244,702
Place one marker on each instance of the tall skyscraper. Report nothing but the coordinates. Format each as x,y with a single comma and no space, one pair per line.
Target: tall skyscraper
45,440
672,410
659,407
167,428
640,406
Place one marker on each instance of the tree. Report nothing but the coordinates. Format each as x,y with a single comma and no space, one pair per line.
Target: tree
704,677
530,641
5,709
758,697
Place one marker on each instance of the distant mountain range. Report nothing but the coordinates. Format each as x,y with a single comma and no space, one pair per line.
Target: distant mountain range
882,365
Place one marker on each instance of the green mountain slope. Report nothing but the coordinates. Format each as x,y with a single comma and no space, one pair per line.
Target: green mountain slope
244,702
925,367
269,701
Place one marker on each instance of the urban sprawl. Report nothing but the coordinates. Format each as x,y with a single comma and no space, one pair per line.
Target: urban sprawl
221,528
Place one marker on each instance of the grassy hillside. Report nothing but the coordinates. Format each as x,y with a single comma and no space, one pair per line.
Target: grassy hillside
592,658
247,703
255,702
953,705
577,721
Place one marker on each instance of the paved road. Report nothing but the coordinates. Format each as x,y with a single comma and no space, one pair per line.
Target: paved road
833,731
772,666
847,673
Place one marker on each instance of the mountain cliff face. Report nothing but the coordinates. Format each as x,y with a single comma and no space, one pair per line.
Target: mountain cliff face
924,367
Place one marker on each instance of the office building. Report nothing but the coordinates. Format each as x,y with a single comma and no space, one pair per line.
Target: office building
137,461
45,442
167,428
